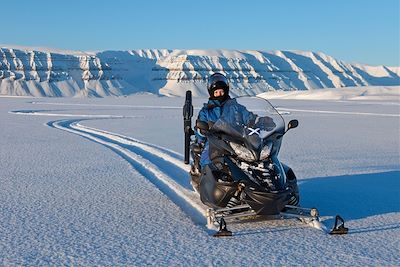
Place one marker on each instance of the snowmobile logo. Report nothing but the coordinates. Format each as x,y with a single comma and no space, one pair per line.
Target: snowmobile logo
254,131
261,133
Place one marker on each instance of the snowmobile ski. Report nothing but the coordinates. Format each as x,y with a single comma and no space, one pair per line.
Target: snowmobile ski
308,216
223,231
339,229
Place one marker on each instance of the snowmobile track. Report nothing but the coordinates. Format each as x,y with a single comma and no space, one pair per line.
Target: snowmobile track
151,161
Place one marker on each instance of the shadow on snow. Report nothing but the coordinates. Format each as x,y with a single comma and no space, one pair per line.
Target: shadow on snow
354,197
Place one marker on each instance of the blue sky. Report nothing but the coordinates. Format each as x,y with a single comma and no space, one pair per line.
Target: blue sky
364,31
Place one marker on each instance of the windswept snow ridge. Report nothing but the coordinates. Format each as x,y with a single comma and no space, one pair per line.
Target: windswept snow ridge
44,72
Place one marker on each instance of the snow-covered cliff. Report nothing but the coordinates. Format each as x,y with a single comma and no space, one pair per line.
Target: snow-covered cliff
45,72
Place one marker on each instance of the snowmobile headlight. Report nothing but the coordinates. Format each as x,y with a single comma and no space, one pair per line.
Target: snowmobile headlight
242,152
266,151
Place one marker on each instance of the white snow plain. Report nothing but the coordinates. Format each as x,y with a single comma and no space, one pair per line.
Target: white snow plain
101,182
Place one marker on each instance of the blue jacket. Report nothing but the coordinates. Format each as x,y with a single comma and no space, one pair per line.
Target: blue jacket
210,112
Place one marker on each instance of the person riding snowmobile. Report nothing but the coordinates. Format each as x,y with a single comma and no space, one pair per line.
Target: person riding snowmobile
235,168
218,89
219,102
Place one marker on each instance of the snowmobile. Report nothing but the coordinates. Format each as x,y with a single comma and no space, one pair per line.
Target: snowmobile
245,178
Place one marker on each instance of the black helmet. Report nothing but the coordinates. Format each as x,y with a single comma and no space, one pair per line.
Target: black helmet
217,81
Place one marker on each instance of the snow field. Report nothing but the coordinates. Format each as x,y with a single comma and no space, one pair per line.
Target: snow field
99,200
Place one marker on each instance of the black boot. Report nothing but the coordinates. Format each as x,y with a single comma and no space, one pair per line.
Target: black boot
292,184
195,170
195,179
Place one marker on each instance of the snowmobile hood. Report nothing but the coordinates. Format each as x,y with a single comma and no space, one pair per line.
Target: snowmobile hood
250,120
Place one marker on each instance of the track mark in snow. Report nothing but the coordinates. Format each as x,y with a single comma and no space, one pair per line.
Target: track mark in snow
141,156
49,114
339,112
367,102
103,105
160,151
162,166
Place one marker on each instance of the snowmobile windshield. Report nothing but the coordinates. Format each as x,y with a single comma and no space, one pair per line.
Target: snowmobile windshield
249,119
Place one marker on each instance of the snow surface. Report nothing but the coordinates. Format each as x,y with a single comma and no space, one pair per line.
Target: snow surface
101,182
388,93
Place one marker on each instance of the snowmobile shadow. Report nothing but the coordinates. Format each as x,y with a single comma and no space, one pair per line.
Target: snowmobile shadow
378,228
263,225
353,196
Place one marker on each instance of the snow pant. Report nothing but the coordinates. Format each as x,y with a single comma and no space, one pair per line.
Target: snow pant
205,156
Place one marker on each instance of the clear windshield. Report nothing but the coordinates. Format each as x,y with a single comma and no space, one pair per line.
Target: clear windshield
250,118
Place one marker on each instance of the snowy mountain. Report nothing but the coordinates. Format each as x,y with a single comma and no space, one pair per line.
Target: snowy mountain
49,72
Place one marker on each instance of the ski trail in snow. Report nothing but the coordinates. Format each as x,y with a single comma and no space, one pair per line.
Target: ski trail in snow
108,105
183,196
160,151
49,114
339,112
162,157
141,155
357,102
94,116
